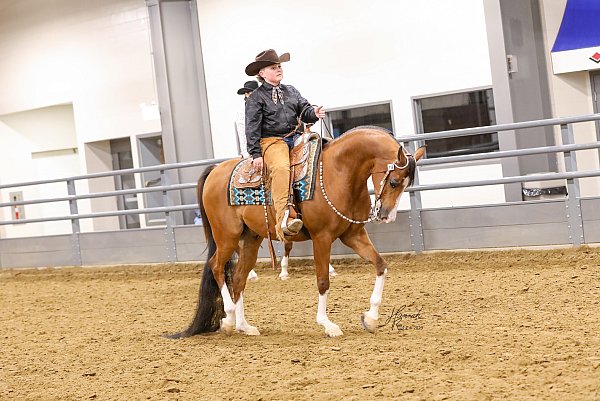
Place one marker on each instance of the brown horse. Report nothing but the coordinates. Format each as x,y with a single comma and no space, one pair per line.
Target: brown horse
339,209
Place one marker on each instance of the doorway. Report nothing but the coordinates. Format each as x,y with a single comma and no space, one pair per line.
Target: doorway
152,154
122,158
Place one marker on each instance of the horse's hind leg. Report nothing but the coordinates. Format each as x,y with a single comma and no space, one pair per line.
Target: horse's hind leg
252,276
248,252
361,244
332,272
285,260
218,262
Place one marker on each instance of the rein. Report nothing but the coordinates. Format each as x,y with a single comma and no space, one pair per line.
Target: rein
376,207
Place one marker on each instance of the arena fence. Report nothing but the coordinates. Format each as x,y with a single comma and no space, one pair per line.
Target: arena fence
542,221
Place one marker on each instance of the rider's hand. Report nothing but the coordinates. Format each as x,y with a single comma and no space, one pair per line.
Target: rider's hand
258,163
319,112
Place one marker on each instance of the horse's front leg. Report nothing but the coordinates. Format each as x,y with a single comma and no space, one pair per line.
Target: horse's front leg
285,260
322,252
361,244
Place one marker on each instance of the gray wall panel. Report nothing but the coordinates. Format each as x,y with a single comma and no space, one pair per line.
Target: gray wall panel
391,242
492,226
590,212
591,230
36,251
590,209
130,246
399,225
191,244
494,237
553,211
123,256
37,259
122,239
35,244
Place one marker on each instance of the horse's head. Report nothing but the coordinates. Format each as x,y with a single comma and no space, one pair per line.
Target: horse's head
395,178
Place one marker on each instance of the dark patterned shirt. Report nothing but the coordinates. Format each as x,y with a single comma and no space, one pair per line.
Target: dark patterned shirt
265,118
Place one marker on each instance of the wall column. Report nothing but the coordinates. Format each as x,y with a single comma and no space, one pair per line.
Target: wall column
181,90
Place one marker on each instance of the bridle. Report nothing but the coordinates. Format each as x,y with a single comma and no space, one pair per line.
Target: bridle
376,207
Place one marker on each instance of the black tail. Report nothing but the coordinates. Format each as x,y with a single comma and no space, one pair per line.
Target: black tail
209,311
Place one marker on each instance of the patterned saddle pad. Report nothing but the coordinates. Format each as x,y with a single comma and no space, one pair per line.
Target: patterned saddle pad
245,184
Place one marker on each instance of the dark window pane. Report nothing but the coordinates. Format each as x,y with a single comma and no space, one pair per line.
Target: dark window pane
342,120
456,111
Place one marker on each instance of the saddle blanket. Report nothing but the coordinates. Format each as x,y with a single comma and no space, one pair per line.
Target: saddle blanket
245,186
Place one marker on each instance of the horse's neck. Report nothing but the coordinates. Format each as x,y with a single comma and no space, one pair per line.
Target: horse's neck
353,160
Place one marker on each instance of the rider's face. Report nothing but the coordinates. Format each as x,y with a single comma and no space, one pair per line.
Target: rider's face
273,74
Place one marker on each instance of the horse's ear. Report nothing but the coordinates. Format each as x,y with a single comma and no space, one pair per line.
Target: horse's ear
420,153
401,156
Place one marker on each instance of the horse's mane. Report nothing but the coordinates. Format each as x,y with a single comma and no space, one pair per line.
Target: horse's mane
374,127
412,165
352,131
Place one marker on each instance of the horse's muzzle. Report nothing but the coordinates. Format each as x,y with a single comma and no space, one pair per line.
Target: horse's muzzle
386,216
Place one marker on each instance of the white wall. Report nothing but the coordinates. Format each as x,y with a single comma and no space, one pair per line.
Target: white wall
344,52
92,54
38,144
96,56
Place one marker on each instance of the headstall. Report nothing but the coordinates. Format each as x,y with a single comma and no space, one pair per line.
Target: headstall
375,208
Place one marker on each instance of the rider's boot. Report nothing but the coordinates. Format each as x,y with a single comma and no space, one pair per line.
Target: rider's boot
290,226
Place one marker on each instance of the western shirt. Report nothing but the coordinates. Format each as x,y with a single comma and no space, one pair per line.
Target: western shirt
265,118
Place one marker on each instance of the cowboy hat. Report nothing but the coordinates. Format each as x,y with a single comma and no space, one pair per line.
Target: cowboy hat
265,59
249,86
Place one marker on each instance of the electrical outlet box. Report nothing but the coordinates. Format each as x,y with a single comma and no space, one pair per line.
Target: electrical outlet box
18,211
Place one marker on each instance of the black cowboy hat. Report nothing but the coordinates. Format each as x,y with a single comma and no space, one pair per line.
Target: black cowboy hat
249,86
265,59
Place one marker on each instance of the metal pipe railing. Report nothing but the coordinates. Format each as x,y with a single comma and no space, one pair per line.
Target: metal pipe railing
571,175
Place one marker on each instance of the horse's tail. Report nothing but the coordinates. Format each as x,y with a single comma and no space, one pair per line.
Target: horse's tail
209,311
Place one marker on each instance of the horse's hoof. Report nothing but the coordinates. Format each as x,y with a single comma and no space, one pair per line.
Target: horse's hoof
333,331
368,324
252,276
250,331
174,336
332,272
226,329
283,276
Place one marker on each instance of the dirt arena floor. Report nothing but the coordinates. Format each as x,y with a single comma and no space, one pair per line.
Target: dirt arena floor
517,325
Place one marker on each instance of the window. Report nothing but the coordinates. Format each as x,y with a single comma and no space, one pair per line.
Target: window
456,111
342,120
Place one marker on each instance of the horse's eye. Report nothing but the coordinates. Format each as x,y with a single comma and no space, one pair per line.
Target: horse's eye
394,183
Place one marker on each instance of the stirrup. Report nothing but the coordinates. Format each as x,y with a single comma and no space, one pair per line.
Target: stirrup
291,227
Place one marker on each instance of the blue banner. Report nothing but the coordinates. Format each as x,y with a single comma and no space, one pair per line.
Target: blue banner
580,26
